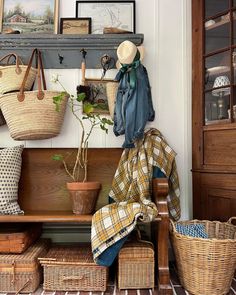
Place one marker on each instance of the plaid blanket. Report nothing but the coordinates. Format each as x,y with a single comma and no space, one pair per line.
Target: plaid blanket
131,191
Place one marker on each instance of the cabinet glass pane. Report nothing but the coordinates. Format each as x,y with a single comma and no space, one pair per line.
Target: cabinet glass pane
215,66
217,104
217,33
234,27
213,7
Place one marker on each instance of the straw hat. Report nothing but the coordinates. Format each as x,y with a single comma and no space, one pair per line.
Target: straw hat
126,53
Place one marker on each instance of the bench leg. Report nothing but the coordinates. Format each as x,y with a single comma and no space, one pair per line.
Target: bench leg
163,257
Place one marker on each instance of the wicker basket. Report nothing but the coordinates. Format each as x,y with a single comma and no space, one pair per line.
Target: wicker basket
32,114
16,238
136,265
11,76
73,269
111,90
22,272
206,266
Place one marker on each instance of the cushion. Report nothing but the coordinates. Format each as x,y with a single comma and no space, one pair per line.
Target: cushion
193,230
10,170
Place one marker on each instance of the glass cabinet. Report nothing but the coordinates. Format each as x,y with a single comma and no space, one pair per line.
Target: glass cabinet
214,108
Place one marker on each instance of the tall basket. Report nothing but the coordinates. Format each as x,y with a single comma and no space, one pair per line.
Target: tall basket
206,266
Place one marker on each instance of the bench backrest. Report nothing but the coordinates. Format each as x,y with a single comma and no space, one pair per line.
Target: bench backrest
43,180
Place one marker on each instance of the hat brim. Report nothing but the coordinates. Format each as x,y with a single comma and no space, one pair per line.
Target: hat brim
141,50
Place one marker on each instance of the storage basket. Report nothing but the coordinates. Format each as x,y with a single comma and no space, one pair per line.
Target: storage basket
111,91
22,272
206,266
71,268
136,265
11,76
16,238
32,114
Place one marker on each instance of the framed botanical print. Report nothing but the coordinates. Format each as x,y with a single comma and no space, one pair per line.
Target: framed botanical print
29,16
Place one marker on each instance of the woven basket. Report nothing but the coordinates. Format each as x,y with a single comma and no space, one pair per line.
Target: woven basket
22,272
111,90
206,266
136,265
11,76
31,114
71,268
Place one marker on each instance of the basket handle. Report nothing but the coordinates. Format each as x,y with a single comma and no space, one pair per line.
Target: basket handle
21,96
17,59
173,225
231,219
73,278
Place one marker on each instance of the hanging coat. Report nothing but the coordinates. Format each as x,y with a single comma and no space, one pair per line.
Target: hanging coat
133,103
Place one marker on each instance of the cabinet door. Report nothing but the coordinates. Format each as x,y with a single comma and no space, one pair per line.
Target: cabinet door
219,204
217,59
214,196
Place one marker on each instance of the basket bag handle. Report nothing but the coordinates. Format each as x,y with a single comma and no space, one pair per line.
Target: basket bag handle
40,79
231,219
17,59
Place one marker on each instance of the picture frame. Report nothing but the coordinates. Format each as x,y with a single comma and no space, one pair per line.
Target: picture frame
21,17
98,95
73,25
116,14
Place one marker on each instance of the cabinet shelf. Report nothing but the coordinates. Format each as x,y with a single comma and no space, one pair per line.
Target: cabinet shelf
67,46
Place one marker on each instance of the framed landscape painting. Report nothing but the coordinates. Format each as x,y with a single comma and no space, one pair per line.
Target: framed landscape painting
29,16
73,25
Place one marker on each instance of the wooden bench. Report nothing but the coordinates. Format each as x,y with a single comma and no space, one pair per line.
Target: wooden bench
44,197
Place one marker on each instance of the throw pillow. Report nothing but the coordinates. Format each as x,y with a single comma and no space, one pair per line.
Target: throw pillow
193,230
10,170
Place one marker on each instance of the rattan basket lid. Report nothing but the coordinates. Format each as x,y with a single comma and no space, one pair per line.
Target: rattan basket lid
141,249
30,256
74,255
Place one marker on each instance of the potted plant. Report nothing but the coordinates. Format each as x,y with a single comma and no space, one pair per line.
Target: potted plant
83,193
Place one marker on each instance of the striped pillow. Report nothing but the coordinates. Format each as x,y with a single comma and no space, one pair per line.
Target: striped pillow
10,170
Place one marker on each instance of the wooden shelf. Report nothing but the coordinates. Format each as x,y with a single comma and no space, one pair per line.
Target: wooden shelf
67,46
47,216
217,24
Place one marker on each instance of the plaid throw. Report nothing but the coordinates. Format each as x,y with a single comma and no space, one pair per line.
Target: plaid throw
131,191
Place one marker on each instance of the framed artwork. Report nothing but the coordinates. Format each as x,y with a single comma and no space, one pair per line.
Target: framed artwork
115,14
98,95
29,16
81,25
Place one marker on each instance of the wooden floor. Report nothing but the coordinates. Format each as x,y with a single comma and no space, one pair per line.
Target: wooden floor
113,290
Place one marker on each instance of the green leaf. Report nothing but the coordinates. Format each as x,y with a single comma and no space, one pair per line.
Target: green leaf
57,157
81,96
57,100
88,108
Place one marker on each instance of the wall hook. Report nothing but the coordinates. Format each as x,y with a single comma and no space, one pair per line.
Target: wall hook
84,52
61,57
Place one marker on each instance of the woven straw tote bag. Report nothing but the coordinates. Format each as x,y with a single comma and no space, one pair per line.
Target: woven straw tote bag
31,114
11,76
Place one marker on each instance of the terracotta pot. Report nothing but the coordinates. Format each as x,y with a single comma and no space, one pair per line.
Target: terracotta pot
84,196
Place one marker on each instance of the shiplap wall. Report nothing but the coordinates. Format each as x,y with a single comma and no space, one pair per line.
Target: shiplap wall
166,25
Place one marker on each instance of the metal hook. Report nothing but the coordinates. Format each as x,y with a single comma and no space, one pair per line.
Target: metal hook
60,58
107,62
84,52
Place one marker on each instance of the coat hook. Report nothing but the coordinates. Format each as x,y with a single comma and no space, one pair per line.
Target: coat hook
84,52
61,57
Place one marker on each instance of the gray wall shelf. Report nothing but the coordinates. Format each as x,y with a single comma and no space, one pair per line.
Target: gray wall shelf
66,46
